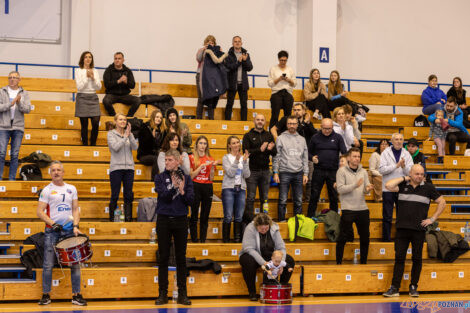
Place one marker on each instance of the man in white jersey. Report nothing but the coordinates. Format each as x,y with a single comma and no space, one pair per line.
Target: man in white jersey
14,103
58,208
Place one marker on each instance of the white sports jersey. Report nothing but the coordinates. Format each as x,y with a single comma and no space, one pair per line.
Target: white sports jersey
59,202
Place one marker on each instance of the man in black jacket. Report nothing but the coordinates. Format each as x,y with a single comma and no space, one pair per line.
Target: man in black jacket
118,81
260,144
239,63
324,149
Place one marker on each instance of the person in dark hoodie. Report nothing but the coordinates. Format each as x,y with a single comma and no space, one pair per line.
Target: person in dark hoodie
456,131
460,96
175,195
238,63
432,97
418,156
150,140
118,81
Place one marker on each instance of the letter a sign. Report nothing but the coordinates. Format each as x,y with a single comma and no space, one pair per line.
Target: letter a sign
324,55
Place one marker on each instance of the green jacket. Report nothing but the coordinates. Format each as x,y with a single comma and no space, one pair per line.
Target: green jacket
331,221
301,226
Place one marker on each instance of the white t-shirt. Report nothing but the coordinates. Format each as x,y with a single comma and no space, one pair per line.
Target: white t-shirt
275,269
12,93
59,202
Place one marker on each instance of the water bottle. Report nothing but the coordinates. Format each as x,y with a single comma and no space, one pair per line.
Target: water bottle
355,256
174,296
467,232
117,214
121,217
153,236
265,207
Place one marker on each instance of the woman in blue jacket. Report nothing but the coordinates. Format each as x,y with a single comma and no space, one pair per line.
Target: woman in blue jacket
432,97
453,118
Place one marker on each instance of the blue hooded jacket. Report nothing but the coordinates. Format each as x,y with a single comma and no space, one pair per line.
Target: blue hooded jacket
432,95
457,122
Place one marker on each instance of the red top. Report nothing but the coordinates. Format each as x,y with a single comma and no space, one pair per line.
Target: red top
204,175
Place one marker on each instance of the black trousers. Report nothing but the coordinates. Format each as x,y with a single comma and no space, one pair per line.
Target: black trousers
280,100
116,178
453,138
250,266
151,160
167,228
466,122
319,177
403,238
388,200
202,197
346,233
320,103
110,99
243,95
95,124
258,179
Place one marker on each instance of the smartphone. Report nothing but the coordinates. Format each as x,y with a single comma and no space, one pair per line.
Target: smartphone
283,74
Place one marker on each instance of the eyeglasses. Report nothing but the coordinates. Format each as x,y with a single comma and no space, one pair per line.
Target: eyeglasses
13,77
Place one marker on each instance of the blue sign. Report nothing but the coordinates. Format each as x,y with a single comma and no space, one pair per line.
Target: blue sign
324,55
7,6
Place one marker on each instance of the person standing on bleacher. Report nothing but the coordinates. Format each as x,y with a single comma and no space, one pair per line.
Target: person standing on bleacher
119,80
175,195
87,104
414,199
58,208
14,103
238,63
260,145
395,161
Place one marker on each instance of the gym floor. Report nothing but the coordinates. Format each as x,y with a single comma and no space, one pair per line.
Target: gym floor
348,304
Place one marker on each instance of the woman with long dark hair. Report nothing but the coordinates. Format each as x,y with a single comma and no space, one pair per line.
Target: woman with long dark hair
173,124
460,95
87,104
150,140
172,141
316,96
202,171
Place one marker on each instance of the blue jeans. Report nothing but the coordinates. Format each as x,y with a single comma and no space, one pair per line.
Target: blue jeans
16,138
430,109
233,201
287,179
50,239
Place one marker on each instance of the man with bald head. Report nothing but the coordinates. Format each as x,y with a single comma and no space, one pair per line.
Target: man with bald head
395,161
260,144
414,198
324,149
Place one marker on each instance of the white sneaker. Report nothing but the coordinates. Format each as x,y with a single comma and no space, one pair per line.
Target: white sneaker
467,152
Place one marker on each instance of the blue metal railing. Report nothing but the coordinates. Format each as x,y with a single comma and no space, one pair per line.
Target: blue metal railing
252,76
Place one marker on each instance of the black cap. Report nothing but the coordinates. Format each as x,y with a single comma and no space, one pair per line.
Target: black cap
171,110
413,141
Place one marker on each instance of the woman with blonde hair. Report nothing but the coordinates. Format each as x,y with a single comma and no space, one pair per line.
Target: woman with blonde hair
341,127
151,136
121,142
202,171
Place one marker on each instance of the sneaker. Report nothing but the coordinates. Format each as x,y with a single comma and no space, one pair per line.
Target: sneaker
392,292
78,300
162,299
46,299
414,291
253,297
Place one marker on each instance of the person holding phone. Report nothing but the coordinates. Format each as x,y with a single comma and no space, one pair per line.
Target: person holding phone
121,142
239,63
282,81
118,81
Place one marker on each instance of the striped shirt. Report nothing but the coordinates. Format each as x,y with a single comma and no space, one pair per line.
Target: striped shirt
413,204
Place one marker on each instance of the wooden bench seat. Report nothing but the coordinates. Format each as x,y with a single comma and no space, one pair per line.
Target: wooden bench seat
137,282
142,230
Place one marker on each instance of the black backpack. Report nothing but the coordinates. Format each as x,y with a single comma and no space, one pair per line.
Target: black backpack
136,125
163,102
421,121
30,172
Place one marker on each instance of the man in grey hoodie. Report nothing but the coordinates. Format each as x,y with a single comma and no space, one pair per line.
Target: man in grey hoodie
352,182
14,103
290,167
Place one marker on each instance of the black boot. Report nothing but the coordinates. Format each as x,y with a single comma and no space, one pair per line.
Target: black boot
162,297
112,207
128,212
226,232
202,232
237,232
183,298
193,231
